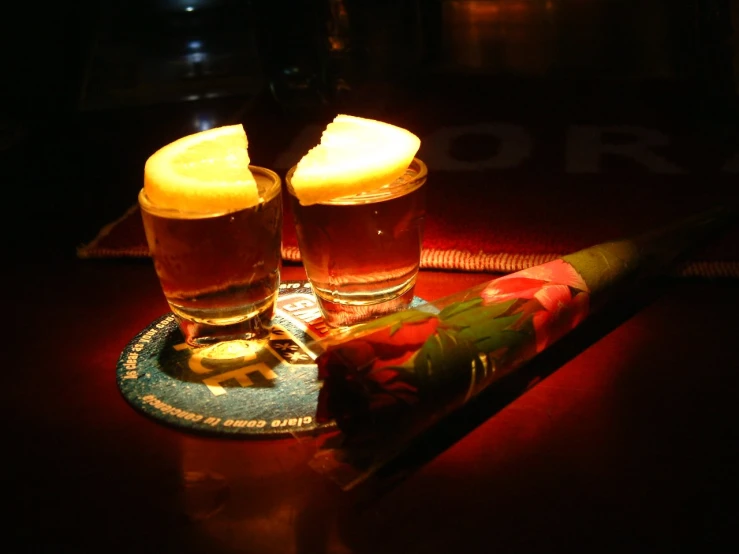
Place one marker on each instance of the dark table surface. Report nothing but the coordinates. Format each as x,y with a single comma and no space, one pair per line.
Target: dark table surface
628,443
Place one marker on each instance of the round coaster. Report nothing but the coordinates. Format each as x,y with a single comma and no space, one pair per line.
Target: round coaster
234,388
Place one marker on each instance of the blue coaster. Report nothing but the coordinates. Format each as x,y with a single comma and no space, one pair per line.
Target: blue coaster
231,389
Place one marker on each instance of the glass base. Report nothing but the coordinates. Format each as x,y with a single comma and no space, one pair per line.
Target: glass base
339,313
207,326
199,334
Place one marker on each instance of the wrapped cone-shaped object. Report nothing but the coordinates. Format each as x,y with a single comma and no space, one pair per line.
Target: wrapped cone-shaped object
393,378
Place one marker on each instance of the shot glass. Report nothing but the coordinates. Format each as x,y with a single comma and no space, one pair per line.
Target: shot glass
220,272
361,253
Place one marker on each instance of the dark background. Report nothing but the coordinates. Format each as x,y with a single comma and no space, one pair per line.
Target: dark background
55,50
91,88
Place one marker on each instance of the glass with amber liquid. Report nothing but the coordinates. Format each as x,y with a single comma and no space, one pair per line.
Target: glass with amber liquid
220,272
362,253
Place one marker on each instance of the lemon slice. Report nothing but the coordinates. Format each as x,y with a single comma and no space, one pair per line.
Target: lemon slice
355,155
205,172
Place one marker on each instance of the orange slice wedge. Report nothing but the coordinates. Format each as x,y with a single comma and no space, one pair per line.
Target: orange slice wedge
355,155
207,172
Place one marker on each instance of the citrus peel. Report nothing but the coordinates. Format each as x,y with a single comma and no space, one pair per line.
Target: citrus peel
206,172
355,155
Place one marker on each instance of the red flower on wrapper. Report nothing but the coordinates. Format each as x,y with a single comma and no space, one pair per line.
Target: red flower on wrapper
362,377
552,285
562,312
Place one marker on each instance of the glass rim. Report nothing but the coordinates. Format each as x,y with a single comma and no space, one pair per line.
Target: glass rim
276,185
376,194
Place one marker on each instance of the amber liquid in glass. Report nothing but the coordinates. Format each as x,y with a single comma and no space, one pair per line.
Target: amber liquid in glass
362,253
220,270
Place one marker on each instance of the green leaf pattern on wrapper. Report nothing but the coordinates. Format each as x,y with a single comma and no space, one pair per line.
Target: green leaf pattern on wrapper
466,331
396,321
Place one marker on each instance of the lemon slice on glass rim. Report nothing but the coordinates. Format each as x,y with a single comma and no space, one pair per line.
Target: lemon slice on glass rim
206,172
355,155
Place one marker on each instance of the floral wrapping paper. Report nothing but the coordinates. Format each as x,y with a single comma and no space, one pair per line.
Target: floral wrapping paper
392,379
